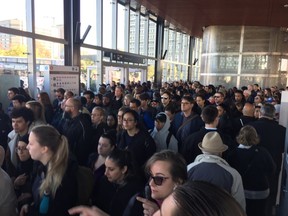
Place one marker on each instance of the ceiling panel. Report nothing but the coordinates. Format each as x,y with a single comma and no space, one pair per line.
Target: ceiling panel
192,15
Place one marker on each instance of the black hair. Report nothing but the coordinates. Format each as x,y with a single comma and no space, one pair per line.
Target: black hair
136,101
20,98
24,112
209,114
24,138
134,114
14,90
161,117
90,93
123,158
111,136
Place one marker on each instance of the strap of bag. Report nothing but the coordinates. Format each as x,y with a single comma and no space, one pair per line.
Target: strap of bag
168,139
186,122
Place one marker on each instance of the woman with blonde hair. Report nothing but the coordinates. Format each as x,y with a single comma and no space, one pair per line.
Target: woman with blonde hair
54,186
38,111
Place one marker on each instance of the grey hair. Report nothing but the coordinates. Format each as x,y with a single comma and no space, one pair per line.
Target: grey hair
267,110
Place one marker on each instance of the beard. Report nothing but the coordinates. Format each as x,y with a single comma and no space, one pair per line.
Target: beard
67,115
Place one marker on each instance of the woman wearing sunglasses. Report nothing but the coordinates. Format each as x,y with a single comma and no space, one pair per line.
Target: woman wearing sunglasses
166,170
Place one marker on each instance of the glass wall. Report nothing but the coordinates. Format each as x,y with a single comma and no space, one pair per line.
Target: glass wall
88,7
246,54
121,28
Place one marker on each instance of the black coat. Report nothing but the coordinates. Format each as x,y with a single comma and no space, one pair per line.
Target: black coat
272,137
66,195
255,166
190,149
79,134
113,198
141,145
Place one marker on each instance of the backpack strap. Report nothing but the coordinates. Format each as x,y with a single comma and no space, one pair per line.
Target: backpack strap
168,138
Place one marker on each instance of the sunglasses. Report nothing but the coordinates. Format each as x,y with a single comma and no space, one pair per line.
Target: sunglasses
158,180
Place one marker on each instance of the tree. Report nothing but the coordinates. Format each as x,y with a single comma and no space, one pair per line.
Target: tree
15,50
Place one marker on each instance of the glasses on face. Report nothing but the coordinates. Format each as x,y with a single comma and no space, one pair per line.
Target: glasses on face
18,150
216,96
165,98
158,180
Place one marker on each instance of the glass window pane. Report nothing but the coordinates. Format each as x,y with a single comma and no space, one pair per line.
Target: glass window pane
121,27
49,18
49,53
152,38
142,44
132,31
13,17
107,24
88,5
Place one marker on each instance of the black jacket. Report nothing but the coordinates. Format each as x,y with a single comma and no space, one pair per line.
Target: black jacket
141,145
113,198
79,134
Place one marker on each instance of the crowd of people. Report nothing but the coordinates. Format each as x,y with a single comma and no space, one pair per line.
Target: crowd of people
181,149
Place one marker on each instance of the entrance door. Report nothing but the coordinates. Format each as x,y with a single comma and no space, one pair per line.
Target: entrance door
93,80
137,75
115,74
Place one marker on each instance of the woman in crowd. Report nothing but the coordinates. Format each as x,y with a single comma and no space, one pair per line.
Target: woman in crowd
166,171
127,99
225,123
199,198
44,99
98,100
119,184
38,111
201,102
111,121
255,166
54,185
258,100
96,160
163,138
22,182
190,199
139,142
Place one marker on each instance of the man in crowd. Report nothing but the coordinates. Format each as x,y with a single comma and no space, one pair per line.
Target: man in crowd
212,168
